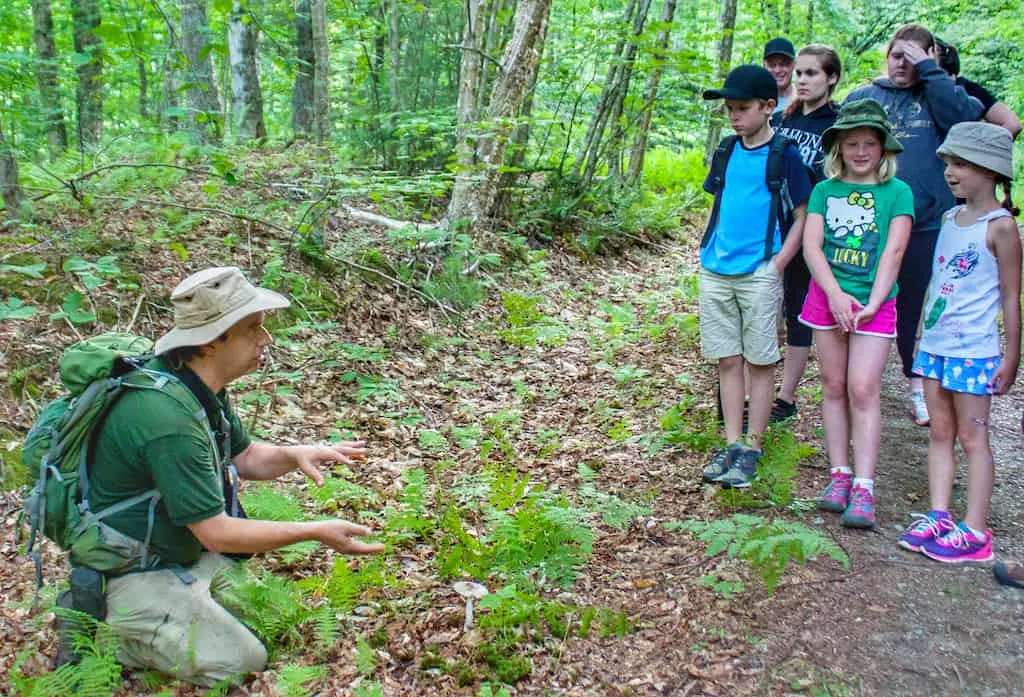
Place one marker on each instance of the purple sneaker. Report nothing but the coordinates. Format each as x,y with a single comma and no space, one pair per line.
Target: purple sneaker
928,527
861,511
836,496
960,546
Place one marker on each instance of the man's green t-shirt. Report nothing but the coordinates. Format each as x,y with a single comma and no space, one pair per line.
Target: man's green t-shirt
857,218
151,441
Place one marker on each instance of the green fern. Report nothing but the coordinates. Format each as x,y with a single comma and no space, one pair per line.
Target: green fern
613,510
366,657
344,586
267,502
769,547
97,675
293,678
368,688
272,607
326,627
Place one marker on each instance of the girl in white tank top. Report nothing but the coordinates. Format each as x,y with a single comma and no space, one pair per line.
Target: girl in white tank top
976,273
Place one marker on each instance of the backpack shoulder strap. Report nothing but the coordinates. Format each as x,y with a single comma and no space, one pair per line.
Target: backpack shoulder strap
719,162
781,205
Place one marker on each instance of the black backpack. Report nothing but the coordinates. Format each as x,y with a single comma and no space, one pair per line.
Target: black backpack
780,211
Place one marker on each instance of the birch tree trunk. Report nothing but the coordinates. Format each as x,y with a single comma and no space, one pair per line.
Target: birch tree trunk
476,193
302,94
726,26
46,76
246,96
10,189
203,104
85,18
467,113
643,129
321,73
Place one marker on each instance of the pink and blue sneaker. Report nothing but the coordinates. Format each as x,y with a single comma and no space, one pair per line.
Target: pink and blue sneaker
860,513
960,546
926,528
836,496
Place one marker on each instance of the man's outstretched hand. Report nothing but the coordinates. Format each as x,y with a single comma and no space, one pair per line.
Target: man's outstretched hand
340,536
310,458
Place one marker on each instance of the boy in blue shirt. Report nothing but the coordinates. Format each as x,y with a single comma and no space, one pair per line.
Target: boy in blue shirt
742,259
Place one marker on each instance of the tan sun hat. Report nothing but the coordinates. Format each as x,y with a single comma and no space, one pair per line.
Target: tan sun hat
983,144
208,303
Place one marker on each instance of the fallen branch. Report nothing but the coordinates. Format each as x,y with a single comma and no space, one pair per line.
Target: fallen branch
390,223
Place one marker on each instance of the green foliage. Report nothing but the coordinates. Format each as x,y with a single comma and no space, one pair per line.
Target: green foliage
97,675
613,511
265,501
769,547
271,606
292,679
683,424
528,326
670,172
366,658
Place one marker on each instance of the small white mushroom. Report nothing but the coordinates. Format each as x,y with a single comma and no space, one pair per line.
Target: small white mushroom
471,591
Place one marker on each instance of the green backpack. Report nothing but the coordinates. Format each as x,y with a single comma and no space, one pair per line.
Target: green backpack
96,372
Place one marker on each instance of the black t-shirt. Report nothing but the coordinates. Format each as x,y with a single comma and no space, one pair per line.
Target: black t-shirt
975,90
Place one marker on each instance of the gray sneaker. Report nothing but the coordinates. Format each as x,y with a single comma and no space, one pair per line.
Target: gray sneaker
743,469
717,466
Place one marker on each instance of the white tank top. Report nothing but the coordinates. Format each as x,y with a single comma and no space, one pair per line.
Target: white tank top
963,301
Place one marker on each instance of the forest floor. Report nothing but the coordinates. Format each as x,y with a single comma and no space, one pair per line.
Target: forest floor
620,353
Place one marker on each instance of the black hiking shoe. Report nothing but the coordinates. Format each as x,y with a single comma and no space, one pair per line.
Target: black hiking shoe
783,410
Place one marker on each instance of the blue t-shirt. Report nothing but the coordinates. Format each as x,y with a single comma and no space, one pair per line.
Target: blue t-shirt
736,245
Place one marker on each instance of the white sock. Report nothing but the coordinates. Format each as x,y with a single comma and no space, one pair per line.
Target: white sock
864,483
841,470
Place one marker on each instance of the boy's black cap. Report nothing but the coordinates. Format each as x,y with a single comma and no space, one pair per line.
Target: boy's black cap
780,47
746,82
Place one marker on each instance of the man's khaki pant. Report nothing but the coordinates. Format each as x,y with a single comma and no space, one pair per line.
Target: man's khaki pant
180,629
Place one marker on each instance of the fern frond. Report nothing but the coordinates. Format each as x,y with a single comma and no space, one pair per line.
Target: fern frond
292,679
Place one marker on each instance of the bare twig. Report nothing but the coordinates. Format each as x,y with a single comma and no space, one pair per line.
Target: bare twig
135,314
473,49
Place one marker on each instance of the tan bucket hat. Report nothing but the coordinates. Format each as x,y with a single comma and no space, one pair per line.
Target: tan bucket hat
208,303
983,144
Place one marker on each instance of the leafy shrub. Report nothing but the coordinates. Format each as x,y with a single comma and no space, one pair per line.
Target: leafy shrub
668,171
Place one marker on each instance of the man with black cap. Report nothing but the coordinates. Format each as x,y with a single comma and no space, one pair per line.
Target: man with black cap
779,59
179,442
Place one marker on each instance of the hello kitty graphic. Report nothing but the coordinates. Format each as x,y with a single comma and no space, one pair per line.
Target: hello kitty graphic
851,215
951,272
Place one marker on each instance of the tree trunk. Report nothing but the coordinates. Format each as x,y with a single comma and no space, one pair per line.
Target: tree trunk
10,189
302,95
46,76
246,97
476,192
394,57
467,113
613,96
203,105
787,16
643,129
809,34
321,74
140,66
619,99
726,26
85,17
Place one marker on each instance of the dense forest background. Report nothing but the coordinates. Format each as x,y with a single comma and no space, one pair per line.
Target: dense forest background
465,98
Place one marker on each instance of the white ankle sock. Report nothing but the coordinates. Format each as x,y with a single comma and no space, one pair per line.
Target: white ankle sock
863,483
841,470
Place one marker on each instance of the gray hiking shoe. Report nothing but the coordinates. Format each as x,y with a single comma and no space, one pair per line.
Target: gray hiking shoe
743,469
718,465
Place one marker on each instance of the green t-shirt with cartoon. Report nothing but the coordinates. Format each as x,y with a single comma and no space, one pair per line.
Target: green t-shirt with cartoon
857,218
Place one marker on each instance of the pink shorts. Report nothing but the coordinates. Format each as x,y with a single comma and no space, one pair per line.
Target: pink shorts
816,315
